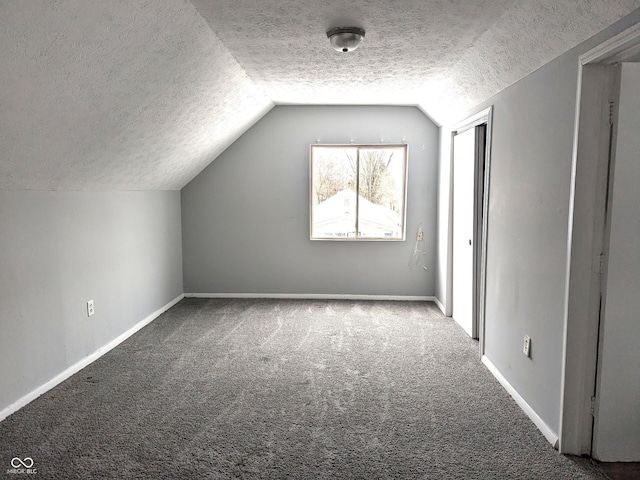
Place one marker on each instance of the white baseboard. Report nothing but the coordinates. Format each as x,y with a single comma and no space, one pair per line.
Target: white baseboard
549,434
313,296
61,377
440,305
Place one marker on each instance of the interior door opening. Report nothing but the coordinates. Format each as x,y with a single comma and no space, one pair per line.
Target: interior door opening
599,415
470,176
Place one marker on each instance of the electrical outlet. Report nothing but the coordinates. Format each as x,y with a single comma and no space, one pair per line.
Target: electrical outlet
527,346
90,309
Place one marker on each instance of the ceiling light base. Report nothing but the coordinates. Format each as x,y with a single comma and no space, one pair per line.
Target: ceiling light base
345,39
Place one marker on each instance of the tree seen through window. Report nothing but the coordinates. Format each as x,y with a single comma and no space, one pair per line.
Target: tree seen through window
377,173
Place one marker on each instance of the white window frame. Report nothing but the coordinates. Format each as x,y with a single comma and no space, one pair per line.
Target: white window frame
403,209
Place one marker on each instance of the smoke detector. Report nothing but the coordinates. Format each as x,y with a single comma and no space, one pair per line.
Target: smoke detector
345,39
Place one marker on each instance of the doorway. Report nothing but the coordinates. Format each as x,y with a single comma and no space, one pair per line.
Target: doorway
599,414
470,189
616,429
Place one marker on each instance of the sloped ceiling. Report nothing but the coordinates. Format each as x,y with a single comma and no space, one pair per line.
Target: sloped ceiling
115,95
143,94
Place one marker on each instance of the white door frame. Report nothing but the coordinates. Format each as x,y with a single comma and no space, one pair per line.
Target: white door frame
482,117
590,153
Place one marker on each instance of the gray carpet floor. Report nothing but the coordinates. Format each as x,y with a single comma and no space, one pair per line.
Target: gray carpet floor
286,389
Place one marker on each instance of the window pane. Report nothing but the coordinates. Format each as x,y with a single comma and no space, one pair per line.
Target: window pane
378,173
333,185
381,183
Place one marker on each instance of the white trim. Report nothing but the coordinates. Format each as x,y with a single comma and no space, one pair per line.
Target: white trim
612,47
567,283
473,121
484,116
549,434
484,229
440,305
314,296
575,429
61,377
449,254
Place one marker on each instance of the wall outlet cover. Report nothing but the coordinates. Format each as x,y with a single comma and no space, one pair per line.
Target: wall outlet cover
526,349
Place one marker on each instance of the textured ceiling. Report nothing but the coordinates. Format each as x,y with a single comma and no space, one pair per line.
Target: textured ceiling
444,55
143,94
283,47
115,95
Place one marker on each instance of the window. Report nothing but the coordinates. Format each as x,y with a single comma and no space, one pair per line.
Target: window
377,172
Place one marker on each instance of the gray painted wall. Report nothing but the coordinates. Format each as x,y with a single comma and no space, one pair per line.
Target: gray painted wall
528,221
531,162
60,249
246,217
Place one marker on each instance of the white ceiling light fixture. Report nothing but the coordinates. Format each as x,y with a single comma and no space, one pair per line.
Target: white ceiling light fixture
345,39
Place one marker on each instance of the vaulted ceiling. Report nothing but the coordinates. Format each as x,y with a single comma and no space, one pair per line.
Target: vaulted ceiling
143,94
